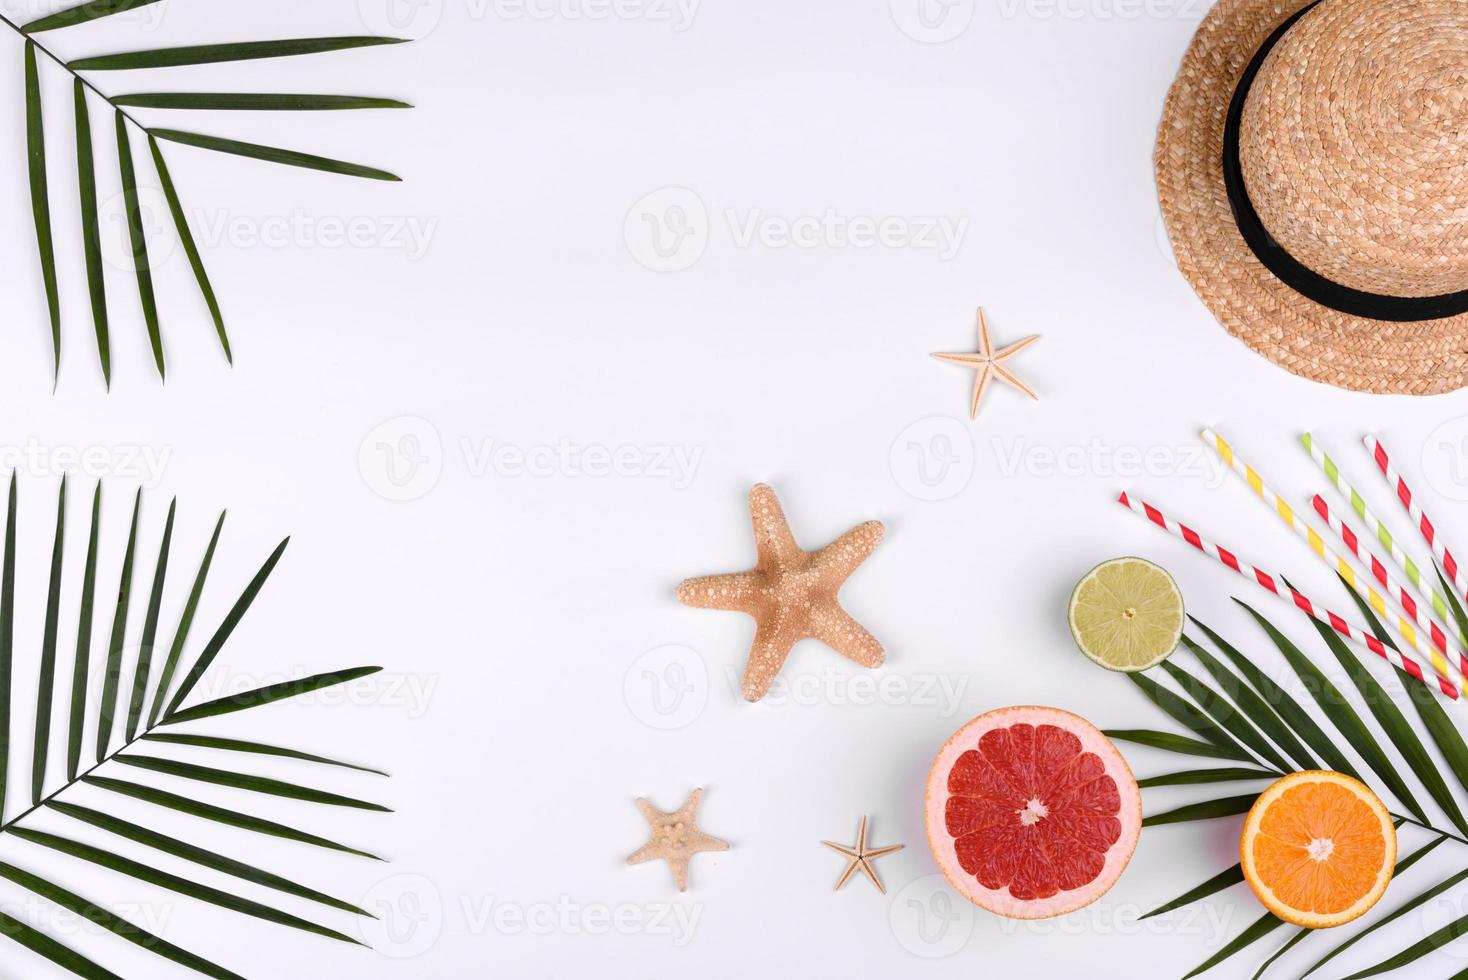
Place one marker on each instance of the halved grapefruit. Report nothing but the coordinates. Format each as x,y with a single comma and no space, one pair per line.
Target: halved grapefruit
1032,812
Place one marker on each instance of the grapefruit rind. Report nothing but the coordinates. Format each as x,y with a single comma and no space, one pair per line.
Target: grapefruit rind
1266,895
1000,901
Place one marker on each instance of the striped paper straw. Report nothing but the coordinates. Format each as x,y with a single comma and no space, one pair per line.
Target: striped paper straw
1325,554
1392,586
1425,586
1404,494
1285,592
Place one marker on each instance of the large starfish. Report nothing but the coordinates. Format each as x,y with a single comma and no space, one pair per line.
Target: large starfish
989,364
790,593
675,838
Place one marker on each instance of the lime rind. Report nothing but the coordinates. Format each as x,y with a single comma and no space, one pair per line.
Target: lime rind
1127,614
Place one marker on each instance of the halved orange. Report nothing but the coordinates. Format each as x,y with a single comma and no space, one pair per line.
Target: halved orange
1318,848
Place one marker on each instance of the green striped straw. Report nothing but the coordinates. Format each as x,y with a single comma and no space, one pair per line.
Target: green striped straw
1420,582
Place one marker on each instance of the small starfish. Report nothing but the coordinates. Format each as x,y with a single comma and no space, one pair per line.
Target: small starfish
790,593
861,857
990,364
675,837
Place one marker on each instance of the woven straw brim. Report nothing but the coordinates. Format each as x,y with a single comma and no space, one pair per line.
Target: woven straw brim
1311,340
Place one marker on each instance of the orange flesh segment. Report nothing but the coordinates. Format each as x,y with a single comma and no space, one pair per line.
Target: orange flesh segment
1348,844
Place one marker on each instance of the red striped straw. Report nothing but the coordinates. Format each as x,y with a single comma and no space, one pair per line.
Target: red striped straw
1285,592
1404,494
1392,586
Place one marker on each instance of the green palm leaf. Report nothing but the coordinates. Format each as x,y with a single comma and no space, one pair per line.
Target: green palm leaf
91,231
1227,807
1284,948
1394,723
258,101
123,106
7,640
190,247
134,731
232,818
1256,931
268,695
47,683
81,666
271,154
183,886
1226,878
1460,616
81,13
1169,742
200,856
1433,941
185,623
40,200
253,748
208,54
1194,776
150,629
139,241
255,784
1287,707
1253,705
1341,714
1225,714
44,945
1189,716
113,675
231,620
114,924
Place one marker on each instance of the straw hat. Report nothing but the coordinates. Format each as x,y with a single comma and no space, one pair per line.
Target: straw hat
1312,167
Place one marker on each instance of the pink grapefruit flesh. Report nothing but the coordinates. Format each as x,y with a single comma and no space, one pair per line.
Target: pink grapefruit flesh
1032,812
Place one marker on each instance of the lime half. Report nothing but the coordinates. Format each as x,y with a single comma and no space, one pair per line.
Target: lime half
1127,614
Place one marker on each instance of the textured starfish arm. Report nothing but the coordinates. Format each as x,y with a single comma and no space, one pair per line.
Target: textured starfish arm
699,841
774,544
834,627
772,644
733,591
842,556
647,852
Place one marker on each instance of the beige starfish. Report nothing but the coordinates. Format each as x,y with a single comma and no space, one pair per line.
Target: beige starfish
861,857
790,593
675,837
990,364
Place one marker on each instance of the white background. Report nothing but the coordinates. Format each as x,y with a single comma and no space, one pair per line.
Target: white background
514,607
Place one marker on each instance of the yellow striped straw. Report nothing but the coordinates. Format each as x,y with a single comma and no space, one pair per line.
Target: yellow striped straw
1317,544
